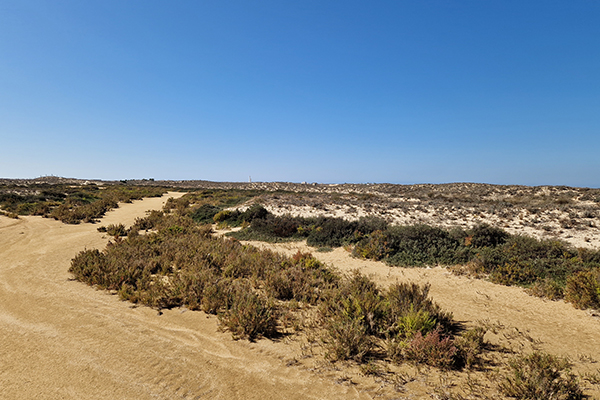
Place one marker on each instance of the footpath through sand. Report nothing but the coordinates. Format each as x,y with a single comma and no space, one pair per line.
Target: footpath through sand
61,339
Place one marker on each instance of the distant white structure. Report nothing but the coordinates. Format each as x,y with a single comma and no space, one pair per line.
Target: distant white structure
250,179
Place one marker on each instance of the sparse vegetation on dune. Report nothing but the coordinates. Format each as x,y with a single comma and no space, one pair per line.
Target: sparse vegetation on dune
354,322
69,203
251,290
543,266
258,293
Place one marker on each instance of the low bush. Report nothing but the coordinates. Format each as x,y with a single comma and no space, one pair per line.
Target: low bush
583,289
205,213
546,288
540,376
237,218
412,245
116,230
404,299
271,229
331,232
250,314
373,247
301,278
432,349
346,338
485,235
470,346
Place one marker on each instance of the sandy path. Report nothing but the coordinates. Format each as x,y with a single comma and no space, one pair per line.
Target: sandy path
61,339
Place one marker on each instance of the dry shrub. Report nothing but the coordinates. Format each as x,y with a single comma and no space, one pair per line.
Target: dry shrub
217,296
116,230
546,288
583,289
250,314
351,314
301,278
470,346
346,338
540,376
432,349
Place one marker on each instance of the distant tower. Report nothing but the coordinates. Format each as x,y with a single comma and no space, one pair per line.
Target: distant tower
250,179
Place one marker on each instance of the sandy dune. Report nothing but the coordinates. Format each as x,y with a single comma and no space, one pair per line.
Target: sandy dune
61,339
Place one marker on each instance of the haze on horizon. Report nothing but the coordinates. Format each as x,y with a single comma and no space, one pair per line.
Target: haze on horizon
391,91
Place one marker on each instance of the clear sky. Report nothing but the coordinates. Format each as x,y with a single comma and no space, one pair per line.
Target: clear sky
504,92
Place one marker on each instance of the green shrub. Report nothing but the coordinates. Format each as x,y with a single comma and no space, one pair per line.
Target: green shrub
422,244
222,216
205,213
485,235
271,229
255,211
367,225
540,376
331,232
546,288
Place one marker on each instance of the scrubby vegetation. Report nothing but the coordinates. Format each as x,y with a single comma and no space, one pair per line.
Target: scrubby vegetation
540,376
71,204
548,268
181,264
257,293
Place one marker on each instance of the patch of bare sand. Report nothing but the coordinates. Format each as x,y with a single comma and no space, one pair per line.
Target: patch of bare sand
522,322
61,339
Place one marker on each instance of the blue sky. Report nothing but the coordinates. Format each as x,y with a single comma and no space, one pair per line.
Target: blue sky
504,92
